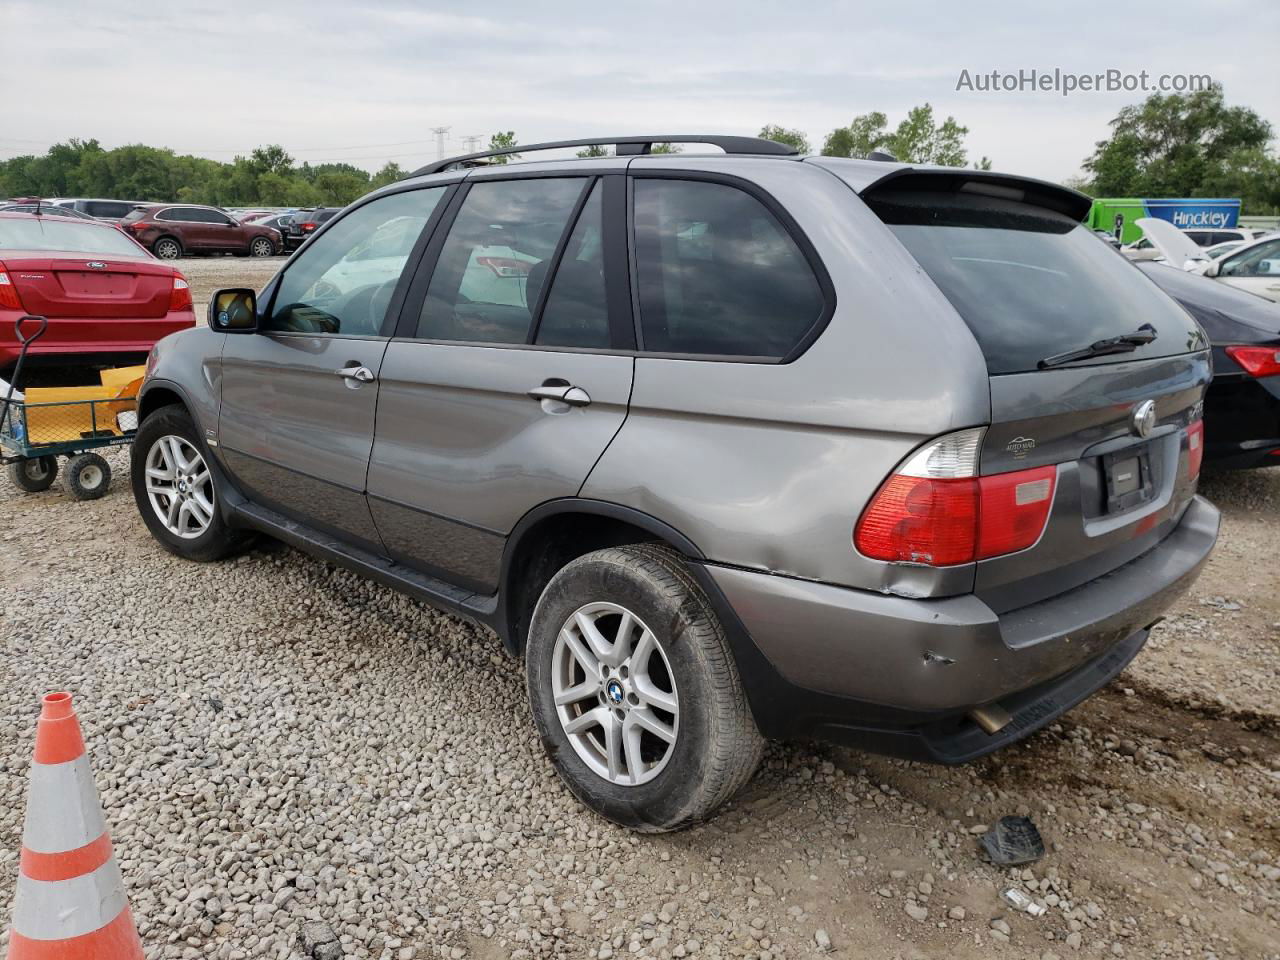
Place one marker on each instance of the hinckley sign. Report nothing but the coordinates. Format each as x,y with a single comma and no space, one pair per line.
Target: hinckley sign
1119,215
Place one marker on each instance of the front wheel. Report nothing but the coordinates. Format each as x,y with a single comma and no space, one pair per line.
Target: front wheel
635,691
261,247
176,491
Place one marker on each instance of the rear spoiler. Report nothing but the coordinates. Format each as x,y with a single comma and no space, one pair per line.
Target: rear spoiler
875,179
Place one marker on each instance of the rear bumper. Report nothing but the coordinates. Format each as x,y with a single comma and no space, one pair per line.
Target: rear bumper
900,674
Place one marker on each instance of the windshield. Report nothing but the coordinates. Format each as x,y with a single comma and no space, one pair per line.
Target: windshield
64,236
1031,283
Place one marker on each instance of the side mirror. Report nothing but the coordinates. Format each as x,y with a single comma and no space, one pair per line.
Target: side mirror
234,311
1212,269
1269,268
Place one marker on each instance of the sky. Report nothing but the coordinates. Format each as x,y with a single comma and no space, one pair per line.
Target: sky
366,82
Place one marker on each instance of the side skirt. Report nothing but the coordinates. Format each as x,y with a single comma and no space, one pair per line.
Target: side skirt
420,586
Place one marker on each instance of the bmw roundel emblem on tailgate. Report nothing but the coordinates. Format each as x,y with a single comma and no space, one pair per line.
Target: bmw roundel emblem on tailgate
96,265
1144,418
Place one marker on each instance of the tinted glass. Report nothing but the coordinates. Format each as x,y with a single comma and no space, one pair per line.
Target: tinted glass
185,214
107,208
343,282
1030,283
576,313
133,215
68,236
1199,237
495,260
718,274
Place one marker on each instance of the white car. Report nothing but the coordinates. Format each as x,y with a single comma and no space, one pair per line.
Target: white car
1254,267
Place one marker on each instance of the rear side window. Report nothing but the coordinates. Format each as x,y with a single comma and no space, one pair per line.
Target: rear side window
718,274
577,312
106,208
495,260
1031,283
184,214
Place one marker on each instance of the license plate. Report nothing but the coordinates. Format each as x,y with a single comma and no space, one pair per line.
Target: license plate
1129,480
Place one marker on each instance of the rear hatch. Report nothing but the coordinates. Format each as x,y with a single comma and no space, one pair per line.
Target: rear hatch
1121,429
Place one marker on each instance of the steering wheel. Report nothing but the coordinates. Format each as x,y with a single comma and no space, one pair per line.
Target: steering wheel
366,308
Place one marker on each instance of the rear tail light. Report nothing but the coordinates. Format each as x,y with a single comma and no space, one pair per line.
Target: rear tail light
1257,361
308,227
139,225
935,510
1195,447
9,298
180,297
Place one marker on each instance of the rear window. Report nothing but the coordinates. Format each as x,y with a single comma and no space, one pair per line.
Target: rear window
1031,283
133,215
65,236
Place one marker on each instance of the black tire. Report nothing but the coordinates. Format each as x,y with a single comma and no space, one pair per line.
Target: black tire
218,540
717,746
167,248
261,247
35,474
88,476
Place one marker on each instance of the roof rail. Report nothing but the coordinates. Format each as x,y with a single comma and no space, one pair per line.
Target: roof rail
625,146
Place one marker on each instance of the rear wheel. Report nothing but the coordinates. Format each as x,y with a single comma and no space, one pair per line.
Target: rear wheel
261,247
88,476
35,474
635,692
175,489
167,248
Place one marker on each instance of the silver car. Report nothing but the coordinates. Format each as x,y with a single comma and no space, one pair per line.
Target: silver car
727,447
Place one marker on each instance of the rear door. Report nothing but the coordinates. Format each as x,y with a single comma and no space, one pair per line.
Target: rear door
507,378
299,397
1121,430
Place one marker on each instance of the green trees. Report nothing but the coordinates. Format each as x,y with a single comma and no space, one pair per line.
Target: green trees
794,138
268,176
917,139
1188,145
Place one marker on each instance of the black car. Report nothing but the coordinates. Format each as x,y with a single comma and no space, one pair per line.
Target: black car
1242,405
307,222
284,223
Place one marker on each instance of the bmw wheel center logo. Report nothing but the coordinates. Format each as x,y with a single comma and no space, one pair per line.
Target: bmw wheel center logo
614,691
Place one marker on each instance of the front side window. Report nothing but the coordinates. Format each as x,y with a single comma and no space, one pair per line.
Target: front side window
495,260
343,282
1258,261
718,273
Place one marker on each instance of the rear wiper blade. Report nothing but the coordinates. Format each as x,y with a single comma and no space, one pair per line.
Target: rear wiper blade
1125,343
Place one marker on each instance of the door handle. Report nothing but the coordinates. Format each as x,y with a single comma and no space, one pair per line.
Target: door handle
562,393
356,372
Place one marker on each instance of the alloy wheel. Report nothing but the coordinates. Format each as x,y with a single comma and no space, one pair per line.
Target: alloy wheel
167,250
615,694
180,486
261,247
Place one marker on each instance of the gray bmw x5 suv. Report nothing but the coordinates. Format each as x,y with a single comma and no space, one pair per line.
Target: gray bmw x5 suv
728,447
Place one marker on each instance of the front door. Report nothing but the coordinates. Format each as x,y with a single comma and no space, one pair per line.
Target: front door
502,387
298,398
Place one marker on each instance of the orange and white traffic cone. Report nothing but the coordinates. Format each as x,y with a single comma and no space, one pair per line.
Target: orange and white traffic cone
71,902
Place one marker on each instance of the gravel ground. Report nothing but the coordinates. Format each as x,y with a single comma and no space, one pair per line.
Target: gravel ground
277,741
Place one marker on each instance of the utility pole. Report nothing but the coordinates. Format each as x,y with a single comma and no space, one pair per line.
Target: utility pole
440,133
472,142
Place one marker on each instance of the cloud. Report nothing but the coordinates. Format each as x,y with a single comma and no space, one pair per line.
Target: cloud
326,79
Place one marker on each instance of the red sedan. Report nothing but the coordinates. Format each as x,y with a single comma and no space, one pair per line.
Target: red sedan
107,299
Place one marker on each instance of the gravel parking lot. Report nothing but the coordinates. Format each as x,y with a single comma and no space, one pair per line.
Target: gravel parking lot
277,741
